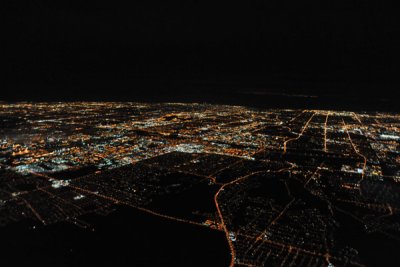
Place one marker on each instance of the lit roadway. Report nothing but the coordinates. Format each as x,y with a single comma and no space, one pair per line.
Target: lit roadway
325,131
300,134
231,246
356,151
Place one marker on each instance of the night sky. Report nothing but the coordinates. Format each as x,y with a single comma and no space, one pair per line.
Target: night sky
184,50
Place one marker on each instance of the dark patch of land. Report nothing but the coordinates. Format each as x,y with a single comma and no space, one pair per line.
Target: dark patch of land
126,237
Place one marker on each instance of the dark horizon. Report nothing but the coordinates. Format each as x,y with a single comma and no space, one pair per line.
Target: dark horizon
201,51
256,97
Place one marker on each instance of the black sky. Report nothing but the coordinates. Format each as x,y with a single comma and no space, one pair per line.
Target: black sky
57,50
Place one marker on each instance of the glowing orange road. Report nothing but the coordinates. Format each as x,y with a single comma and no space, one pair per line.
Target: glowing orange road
259,237
282,212
357,118
314,173
116,201
283,126
290,248
294,249
34,211
211,176
325,131
231,246
300,134
55,196
356,151
298,115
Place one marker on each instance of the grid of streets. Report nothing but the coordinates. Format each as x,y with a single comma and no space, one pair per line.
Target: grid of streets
279,183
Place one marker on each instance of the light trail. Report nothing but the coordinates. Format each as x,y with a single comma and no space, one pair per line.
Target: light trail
231,247
325,132
357,118
55,196
224,227
290,248
314,173
259,237
300,134
356,151
117,201
37,215
298,115
294,249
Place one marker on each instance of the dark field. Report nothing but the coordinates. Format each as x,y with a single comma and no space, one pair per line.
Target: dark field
126,237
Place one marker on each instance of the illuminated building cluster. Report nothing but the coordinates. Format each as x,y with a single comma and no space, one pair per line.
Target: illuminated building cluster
281,184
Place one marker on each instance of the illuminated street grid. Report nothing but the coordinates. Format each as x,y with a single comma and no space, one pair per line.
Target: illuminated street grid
277,182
